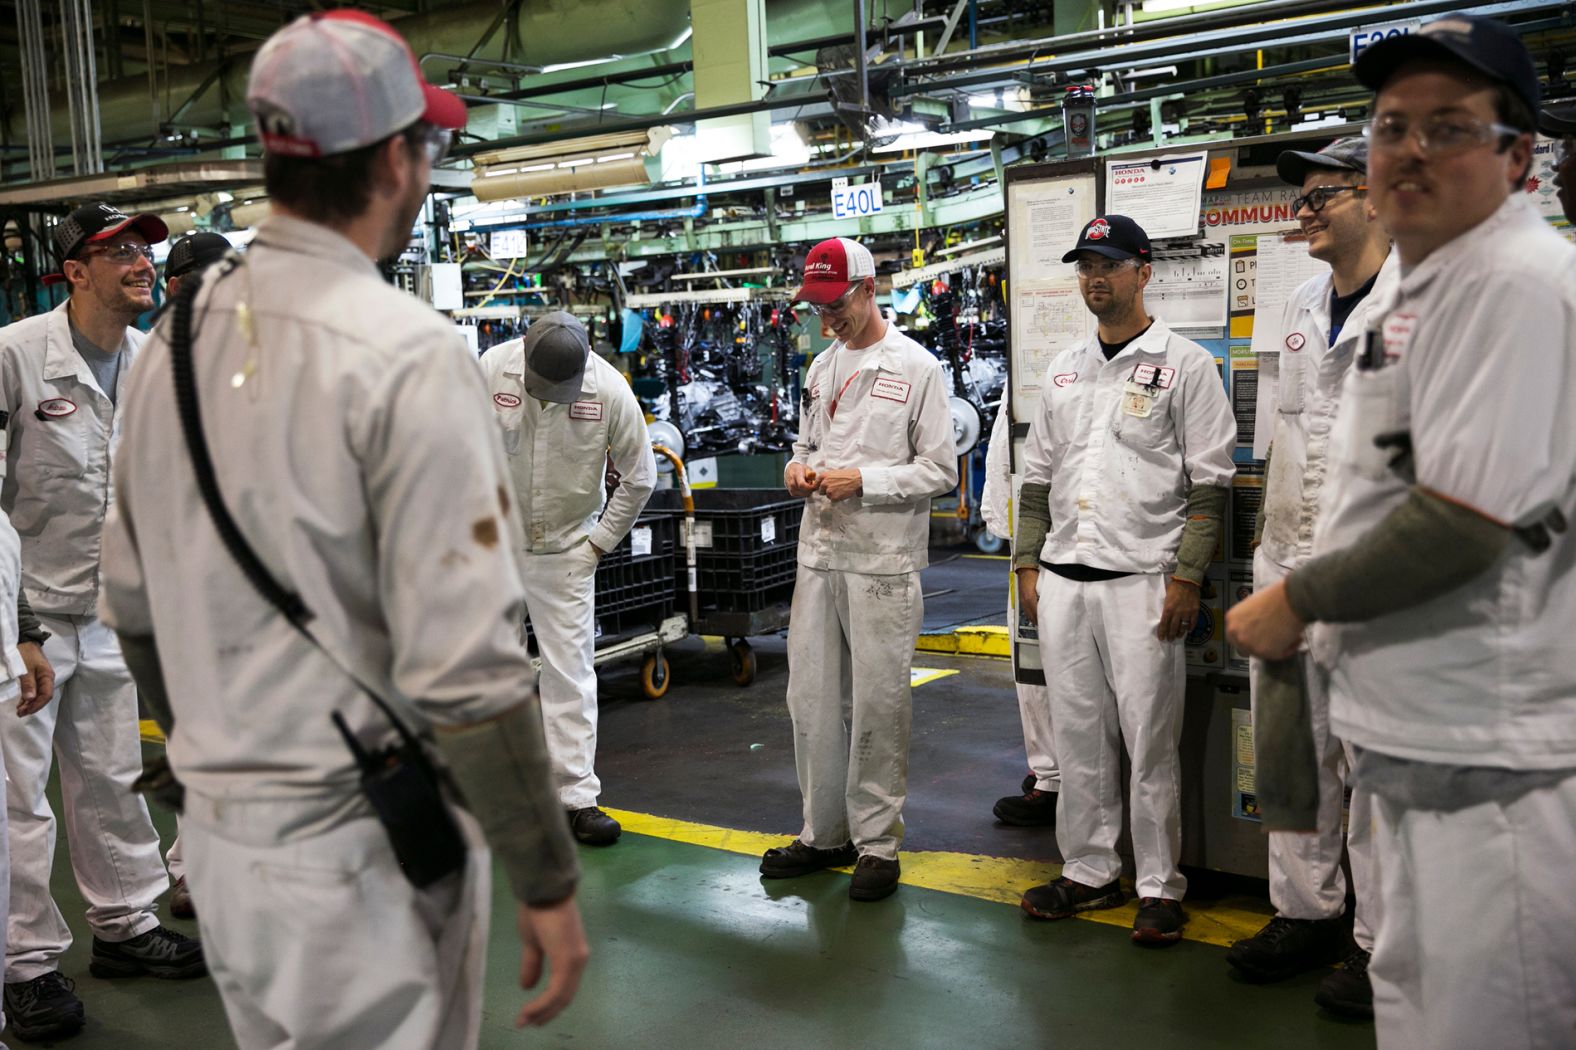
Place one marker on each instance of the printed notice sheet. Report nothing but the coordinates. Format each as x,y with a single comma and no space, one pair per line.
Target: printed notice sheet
1161,194
1189,293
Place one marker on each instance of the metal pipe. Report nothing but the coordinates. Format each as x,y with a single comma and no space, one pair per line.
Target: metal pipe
860,68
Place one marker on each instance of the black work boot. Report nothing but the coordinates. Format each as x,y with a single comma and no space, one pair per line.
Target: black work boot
1064,897
45,1007
874,878
1348,991
1286,947
1032,809
795,859
593,827
1159,921
161,952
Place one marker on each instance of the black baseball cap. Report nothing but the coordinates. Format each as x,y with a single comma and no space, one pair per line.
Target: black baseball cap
194,252
99,221
1557,118
1113,236
1344,154
1485,44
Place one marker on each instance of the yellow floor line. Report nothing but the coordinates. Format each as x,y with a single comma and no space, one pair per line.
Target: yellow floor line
918,676
989,557
150,731
985,640
998,879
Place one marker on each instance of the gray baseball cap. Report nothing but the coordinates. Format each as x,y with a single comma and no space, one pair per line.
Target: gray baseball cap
556,353
1557,118
1345,154
335,81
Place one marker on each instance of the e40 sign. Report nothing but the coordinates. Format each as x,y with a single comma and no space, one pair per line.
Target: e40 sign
849,202
1364,37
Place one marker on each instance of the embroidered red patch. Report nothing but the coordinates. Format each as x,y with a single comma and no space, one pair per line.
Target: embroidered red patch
57,407
506,400
1296,341
1065,379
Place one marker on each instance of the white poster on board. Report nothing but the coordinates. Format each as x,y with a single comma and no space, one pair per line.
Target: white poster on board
1046,219
1048,317
1284,265
1161,194
1189,293
1045,311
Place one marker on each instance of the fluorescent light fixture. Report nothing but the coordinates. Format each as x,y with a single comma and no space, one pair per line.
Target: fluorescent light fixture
1008,100
1150,73
925,139
1156,6
559,66
688,30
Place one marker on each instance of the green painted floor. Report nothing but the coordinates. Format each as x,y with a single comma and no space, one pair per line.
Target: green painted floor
691,949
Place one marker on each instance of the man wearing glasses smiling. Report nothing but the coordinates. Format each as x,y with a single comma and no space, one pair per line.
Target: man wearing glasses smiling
1321,328
875,445
1442,581
61,377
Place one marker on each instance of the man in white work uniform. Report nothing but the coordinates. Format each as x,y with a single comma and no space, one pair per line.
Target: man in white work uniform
874,447
61,377
1321,328
1125,476
345,452
1442,582
565,412
1035,804
1557,120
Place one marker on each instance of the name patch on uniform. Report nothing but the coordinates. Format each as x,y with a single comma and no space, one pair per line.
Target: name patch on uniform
891,389
1154,375
1398,333
1065,379
1296,341
56,407
506,400
591,410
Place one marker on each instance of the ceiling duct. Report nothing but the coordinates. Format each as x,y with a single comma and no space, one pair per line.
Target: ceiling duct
574,166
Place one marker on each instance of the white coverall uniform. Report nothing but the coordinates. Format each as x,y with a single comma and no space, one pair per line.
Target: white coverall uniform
1120,442
355,463
558,456
63,433
1474,941
857,609
1306,881
1034,702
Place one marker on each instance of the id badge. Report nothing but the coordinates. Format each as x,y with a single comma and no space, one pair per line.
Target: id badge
1138,400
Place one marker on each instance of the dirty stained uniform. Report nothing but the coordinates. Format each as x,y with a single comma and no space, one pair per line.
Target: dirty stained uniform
1121,443
1034,702
856,607
63,434
1466,703
557,457
355,462
1306,880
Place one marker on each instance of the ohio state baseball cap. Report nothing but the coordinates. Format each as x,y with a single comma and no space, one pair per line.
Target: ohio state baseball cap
100,221
1345,154
831,267
333,82
556,353
1113,236
1489,46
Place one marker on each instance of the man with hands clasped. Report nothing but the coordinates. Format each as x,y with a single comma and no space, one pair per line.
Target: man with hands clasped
874,446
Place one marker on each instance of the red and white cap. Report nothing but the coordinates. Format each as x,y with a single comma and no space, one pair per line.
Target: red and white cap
831,267
335,81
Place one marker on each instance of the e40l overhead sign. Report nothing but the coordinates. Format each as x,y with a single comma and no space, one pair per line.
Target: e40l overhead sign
850,202
1364,37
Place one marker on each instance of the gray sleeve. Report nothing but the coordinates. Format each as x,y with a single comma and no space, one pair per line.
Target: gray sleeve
1426,547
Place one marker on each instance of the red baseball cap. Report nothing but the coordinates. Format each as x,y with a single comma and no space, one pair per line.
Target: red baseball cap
333,82
831,267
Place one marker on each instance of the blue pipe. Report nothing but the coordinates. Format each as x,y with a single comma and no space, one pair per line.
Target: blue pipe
694,212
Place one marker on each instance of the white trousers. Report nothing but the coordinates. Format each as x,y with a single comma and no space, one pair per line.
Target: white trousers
1475,943
560,594
175,857
851,644
1039,739
90,727
322,944
1306,881
1111,680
